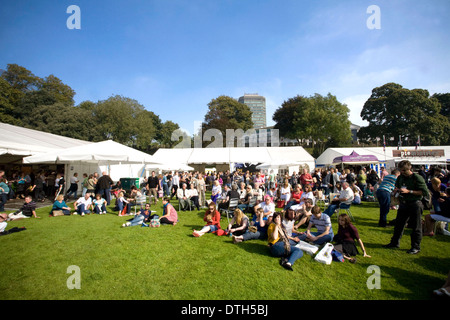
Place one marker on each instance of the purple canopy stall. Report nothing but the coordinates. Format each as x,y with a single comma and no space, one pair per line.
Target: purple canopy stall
355,158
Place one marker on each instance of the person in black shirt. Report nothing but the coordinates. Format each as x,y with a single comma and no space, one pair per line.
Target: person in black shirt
152,186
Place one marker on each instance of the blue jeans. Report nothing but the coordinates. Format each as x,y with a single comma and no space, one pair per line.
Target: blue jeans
107,195
321,240
278,250
137,220
81,209
100,210
384,199
330,210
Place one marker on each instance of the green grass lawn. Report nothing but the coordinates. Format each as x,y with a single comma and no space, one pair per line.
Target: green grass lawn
169,263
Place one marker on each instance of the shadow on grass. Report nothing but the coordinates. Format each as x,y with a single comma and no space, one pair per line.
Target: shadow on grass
396,282
252,246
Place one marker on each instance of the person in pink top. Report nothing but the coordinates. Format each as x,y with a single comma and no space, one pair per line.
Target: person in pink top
212,218
170,214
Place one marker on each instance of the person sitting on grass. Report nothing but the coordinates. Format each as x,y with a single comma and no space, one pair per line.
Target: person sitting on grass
295,197
324,229
27,210
280,245
212,218
239,224
268,208
60,204
442,215
99,204
345,239
256,230
140,218
170,215
304,215
83,205
4,224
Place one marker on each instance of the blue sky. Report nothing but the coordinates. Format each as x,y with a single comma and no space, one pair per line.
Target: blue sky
174,56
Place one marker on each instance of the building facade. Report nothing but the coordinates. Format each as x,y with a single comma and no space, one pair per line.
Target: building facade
257,105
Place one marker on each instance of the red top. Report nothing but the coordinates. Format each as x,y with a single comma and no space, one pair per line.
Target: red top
296,196
215,219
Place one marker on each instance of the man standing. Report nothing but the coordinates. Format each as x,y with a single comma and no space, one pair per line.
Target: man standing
152,184
104,187
306,178
411,188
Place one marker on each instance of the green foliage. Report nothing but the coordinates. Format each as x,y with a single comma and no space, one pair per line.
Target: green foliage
227,113
47,104
395,111
322,119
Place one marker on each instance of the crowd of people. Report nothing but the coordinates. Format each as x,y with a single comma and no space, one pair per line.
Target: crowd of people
258,196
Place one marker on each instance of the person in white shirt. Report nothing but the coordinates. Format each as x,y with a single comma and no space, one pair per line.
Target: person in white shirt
183,197
345,198
194,196
84,204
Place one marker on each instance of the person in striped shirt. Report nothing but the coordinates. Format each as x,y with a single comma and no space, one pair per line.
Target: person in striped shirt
384,195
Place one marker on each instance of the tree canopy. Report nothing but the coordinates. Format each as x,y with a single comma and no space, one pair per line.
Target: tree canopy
322,119
47,104
400,113
225,113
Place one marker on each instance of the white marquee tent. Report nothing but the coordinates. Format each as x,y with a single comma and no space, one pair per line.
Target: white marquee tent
267,155
116,159
18,142
423,155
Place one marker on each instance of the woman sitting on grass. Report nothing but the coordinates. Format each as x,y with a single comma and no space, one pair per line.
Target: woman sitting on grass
212,218
239,224
99,204
345,239
170,214
60,204
257,229
280,245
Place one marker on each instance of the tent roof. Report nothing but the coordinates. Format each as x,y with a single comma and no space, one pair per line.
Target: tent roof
327,157
234,155
355,158
24,142
105,151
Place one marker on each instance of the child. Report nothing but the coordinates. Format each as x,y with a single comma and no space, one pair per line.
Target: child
99,204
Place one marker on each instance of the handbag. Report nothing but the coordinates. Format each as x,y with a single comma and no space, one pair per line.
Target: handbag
280,204
57,213
324,255
154,223
307,247
337,256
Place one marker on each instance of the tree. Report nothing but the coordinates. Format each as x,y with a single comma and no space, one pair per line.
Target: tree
6,107
126,121
64,120
322,119
400,113
226,113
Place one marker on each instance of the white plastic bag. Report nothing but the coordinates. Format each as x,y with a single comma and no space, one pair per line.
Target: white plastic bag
307,247
324,255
